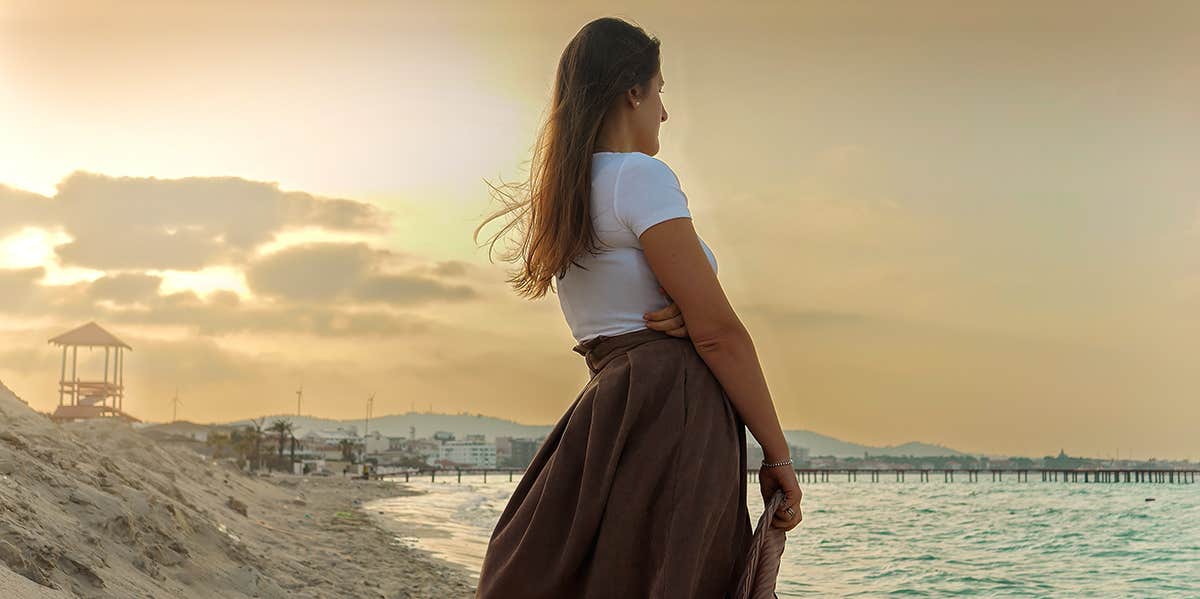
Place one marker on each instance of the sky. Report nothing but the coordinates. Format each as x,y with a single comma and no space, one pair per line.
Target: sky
976,226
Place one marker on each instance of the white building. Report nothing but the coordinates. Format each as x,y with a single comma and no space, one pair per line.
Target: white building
327,443
427,449
472,453
347,433
376,443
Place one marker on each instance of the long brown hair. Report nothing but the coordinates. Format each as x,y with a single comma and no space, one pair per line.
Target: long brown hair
606,58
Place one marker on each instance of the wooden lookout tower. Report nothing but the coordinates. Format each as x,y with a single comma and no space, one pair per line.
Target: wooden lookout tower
91,399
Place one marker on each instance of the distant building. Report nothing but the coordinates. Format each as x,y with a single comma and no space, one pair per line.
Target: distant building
754,456
306,465
327,444
376,443
335,436
874,465
822,462
515,452
503,449
427,449
799,455
475,454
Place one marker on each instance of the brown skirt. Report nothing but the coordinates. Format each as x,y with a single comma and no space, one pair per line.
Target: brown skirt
639,491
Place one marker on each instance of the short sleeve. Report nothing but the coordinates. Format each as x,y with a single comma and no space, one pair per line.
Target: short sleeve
647,193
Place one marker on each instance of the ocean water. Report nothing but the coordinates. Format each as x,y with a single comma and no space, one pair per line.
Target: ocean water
919,539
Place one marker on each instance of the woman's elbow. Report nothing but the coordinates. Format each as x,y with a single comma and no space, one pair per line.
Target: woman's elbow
717,336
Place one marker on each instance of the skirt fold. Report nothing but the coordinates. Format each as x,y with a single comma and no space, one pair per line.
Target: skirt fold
639,490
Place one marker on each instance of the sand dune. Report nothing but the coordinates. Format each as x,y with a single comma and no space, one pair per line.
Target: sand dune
95,509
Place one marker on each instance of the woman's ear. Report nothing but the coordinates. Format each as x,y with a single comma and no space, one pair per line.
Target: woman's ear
634,95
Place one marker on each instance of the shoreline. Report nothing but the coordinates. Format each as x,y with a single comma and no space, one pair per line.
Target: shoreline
411,532
326,525
397,568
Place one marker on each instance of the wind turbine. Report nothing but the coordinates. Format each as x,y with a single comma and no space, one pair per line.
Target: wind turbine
175,405
370,407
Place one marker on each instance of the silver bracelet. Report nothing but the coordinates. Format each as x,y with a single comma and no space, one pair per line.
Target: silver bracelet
786,462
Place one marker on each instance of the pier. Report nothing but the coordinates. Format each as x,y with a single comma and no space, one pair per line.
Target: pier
1092,475
819,475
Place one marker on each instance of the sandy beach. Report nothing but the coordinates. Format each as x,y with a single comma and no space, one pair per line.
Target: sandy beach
96,509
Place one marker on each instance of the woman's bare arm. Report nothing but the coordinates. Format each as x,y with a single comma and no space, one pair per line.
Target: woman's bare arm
673,251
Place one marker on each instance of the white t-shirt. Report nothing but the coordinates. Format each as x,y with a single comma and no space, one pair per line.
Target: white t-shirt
630,192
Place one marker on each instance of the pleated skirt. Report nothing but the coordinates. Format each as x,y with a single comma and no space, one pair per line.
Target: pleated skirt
639,491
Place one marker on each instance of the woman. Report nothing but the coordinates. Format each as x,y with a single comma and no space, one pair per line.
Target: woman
640,488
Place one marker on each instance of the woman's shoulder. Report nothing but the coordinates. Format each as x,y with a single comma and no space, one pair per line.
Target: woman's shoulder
647,169
641,158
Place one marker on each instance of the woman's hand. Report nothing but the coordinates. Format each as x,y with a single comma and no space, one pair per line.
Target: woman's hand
783,478
669,319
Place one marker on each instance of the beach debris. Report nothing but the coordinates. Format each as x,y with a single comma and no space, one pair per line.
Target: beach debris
225,531
349,518
237,506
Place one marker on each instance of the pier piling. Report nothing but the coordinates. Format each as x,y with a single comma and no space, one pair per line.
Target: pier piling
814,475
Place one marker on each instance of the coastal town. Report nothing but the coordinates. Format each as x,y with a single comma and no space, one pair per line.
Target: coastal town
281,446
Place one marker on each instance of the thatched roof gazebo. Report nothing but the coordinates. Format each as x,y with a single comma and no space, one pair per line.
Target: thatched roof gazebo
91,399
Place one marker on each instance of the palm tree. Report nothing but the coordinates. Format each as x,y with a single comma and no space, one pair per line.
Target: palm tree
257,432
250,442
292,434
282,427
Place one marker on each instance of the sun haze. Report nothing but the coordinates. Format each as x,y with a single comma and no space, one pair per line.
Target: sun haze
966,225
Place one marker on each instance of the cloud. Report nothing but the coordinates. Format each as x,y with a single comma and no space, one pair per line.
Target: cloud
410,289
125,288
132,300
215,318
180,224
450,268
129,227
18,288
20,208
345,271
315,271
194,360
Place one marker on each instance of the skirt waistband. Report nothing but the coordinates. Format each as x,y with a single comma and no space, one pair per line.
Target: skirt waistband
601,349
